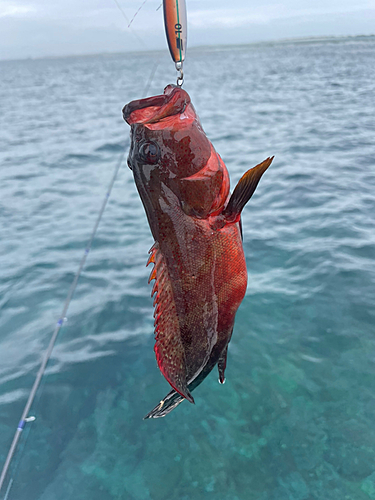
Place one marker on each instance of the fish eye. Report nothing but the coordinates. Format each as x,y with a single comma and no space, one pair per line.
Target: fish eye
149,152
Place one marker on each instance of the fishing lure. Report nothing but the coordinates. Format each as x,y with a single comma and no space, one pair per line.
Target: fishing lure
175,22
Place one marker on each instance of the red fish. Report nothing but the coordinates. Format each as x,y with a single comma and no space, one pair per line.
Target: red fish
199,264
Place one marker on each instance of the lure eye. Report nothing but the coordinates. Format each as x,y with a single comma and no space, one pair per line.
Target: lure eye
149,152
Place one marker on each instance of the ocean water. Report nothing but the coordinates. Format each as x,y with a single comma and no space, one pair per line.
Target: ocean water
295,420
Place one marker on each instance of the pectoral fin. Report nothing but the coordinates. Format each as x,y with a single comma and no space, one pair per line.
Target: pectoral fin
244,190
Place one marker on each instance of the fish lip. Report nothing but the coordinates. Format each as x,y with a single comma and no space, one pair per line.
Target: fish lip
172,102
127,110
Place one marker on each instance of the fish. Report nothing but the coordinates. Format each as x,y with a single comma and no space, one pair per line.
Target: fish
199,268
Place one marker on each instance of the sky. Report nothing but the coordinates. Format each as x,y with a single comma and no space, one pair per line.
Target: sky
40,28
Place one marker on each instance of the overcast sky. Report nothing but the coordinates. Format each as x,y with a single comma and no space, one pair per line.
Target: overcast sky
37,28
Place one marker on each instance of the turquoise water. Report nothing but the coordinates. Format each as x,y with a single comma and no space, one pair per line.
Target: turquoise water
295,420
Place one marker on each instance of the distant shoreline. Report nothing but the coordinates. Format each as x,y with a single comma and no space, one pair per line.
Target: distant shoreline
297,40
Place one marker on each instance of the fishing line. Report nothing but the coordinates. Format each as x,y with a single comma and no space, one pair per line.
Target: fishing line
132,19
121,10
129,23
152,74
26,418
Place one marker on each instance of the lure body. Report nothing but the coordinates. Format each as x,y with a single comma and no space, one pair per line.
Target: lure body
175,28
199,265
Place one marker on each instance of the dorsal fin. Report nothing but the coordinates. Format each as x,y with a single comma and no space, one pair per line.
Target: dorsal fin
244,190
170,353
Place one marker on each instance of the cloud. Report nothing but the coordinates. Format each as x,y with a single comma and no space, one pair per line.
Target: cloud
37,28
10,9
234,17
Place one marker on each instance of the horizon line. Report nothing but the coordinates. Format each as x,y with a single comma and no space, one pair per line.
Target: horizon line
305,39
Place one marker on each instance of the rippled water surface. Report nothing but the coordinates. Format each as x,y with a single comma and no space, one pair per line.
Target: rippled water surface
295,420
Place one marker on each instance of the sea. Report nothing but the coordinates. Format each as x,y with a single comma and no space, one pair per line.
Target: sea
295,419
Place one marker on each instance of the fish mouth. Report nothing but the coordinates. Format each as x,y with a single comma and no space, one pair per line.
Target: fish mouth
156,108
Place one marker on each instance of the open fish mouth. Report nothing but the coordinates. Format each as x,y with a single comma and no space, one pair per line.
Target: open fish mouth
156,108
